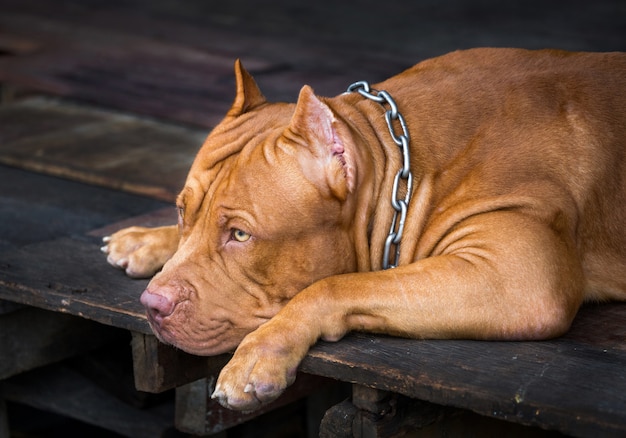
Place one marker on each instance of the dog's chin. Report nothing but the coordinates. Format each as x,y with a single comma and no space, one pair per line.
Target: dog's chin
201,348
205,349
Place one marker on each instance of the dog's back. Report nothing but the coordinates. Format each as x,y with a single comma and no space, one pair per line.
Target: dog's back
560,114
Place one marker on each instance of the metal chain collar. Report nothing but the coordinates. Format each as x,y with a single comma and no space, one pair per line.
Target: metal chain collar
402,140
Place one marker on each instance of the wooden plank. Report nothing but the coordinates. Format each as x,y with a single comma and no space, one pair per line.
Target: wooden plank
542,384
111,58
31,338
35,208
337,422
397,415
63,391
198,414
98,147
575,386
159,367
170,89
175,61
136,74
382,414
45,275
44,266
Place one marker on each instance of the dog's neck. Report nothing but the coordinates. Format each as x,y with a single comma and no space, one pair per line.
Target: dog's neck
373,143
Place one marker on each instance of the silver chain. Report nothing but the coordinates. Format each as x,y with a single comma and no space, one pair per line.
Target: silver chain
404,175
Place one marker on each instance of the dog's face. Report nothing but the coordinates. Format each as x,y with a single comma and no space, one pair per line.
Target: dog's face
263,215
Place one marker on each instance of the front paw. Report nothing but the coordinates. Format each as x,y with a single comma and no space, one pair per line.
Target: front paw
140,251
258,373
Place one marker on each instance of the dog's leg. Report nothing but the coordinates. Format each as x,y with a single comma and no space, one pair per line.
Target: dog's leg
140,251
499,275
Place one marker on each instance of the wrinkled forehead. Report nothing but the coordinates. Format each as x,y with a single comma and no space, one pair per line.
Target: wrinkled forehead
238,140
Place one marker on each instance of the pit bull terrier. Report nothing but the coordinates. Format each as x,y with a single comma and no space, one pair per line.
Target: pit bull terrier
512,212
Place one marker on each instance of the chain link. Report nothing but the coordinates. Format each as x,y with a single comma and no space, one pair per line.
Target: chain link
404,177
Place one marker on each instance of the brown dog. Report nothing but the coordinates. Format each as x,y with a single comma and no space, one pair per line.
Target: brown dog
516,214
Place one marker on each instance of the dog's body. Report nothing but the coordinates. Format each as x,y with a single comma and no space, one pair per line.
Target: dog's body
517,215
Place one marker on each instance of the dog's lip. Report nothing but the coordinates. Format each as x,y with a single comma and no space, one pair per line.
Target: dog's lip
162,333
154,320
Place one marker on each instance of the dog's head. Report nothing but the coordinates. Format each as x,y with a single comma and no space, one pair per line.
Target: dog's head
267,210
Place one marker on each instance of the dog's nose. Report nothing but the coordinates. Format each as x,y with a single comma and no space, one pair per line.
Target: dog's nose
157,306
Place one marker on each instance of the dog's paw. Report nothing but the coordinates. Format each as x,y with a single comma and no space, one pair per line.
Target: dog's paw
258,373
140,251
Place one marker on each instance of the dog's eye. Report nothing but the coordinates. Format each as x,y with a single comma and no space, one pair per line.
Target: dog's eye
239,235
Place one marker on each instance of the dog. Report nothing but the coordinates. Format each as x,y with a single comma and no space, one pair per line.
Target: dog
507,172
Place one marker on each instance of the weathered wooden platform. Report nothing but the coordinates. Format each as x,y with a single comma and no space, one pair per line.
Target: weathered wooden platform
103,106
62,270
98,147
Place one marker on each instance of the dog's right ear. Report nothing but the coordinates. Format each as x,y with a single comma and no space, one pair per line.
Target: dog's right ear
248,94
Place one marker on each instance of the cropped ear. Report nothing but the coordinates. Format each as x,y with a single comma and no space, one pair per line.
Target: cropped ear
314,122
248,93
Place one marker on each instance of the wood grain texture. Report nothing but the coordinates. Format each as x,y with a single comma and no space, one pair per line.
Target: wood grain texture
113,150
571,384
173,63
160,367
35,208
47,260
44,275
